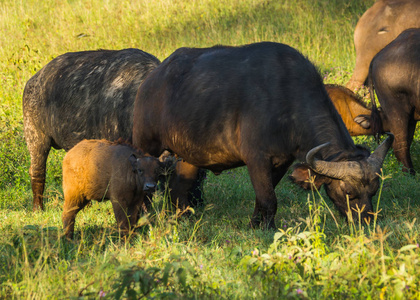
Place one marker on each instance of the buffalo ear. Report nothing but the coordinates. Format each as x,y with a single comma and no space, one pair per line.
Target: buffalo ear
168,164
167,160
363,120
133,160
301,175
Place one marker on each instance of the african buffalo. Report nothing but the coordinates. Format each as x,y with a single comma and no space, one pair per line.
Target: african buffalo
395,77
80,95
101,170
262,105
377,27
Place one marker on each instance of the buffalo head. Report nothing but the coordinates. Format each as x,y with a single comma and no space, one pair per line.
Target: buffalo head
350,184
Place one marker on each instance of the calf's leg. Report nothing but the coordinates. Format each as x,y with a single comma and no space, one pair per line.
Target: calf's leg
72,205
126,213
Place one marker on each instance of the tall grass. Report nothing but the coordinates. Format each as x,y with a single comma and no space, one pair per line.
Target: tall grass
314,254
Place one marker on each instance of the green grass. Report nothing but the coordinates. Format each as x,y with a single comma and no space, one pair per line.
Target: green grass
315,254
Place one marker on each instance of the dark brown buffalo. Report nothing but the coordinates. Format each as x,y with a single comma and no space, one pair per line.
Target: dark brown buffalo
395,77
262,105
377,27
80,95
101,170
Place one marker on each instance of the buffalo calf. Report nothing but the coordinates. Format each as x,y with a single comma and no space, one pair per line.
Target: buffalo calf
352,109
101,170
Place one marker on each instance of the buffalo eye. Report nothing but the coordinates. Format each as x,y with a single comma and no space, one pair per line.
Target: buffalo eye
139,171
346,190
383,30
350,195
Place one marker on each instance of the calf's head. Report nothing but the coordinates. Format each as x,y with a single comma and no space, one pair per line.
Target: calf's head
148,169
350,184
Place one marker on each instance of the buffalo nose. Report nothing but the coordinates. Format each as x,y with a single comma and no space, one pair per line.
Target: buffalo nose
149,187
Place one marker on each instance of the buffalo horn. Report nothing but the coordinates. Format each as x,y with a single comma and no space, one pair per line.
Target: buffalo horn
341,170
378,156
338,170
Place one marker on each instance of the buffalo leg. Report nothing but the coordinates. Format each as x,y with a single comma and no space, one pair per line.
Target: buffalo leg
279,172
126,215
403,129
71,207
39,154
410,136
266,201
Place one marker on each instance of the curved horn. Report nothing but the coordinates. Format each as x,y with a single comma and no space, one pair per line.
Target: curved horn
310,156
376,159
338,170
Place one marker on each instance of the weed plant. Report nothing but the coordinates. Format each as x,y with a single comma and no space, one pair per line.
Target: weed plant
210,252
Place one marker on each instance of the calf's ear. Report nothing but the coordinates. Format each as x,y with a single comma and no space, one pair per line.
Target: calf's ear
304,176
363,120
133,160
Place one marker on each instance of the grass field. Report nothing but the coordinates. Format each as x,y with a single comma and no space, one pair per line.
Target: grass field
315,254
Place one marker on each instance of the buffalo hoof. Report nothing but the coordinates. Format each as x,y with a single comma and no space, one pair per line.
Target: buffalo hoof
257,223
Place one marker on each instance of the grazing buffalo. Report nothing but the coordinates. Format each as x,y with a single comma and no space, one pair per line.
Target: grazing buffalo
101,170
352,109
80,95
395,77
378,26
262,105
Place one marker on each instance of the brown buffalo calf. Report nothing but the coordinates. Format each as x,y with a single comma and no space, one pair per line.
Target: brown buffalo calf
102,170
352,109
